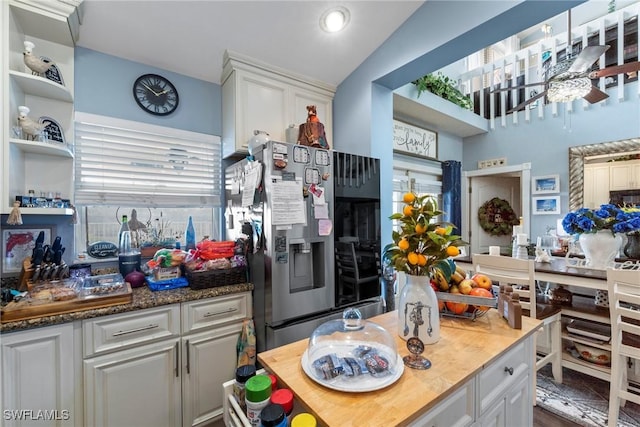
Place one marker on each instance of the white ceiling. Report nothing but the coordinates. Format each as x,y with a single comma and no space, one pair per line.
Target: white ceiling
189,37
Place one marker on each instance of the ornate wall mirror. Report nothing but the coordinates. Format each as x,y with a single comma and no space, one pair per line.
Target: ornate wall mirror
577,157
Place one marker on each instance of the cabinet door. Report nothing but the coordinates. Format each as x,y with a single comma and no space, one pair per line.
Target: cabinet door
261,105
38,375
495,416
596,186
135,387
209,359
519,411
621,177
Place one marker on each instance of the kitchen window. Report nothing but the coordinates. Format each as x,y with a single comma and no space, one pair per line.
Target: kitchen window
159,176
407,178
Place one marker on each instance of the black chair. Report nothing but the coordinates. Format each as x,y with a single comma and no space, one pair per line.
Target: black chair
349,268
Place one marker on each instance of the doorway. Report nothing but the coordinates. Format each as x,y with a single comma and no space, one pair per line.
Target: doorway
511,183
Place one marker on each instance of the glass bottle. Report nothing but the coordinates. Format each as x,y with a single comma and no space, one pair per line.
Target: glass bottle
190,235
124,237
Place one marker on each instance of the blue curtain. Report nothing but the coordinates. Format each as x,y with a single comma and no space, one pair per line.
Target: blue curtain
451,193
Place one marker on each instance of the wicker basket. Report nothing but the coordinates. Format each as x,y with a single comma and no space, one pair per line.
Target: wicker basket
213,278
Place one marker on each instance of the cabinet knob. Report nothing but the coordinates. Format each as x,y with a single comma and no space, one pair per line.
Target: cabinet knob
508,369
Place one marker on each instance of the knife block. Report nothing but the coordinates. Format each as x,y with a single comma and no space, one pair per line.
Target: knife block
25,275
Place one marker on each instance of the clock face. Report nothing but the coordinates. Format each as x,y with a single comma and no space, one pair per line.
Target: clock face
155,94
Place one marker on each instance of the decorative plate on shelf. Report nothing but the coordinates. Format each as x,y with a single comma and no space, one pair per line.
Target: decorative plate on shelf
53,129
593,354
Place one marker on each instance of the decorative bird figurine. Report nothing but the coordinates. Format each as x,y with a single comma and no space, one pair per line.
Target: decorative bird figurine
37,65
30,128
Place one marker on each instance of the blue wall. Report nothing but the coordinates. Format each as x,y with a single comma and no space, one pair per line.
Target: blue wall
437,34
545,142
103,85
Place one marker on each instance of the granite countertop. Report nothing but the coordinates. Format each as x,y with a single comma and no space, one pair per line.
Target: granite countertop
143,298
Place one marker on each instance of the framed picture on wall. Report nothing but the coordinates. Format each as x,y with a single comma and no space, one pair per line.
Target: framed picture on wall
547,184
414,141
546,205
18,243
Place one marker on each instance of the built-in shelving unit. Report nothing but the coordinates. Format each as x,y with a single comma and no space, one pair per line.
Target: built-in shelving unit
43,166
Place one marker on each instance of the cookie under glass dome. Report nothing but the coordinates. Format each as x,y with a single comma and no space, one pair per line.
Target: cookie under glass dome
352,354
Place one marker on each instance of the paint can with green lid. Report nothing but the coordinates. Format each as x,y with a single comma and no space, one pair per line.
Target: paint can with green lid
257,396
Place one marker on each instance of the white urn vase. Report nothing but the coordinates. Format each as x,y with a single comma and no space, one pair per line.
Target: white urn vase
418,314
600,248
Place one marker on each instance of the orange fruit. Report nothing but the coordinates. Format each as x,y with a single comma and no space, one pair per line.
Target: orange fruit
440,305
408,210
441,231
422,260
403,244
457,307
453,251
420,229
412,258
408,198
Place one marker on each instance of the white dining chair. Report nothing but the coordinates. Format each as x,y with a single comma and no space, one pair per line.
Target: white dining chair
520,274
624,310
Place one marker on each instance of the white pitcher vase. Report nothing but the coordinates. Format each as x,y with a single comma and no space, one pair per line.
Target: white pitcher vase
418,314
600,248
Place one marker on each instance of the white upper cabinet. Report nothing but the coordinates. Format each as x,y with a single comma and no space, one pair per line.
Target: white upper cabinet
625,175
45,166
257,96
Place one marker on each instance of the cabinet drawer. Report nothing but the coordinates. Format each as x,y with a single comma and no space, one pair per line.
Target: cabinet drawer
122,331
203,314
457,410
501,374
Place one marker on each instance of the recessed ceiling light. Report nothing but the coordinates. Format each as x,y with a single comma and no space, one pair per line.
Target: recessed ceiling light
335,19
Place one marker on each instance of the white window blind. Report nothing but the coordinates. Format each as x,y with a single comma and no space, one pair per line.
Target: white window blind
126,163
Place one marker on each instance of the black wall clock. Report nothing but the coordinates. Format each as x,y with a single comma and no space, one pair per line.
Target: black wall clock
155,94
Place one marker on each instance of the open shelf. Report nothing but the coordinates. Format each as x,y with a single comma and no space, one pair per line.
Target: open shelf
46,211
598,371
38,147
39,86
583,307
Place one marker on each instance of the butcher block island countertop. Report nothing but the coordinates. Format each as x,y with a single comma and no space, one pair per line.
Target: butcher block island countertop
465,348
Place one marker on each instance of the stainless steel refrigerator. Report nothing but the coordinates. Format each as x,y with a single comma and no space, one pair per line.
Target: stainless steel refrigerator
282,200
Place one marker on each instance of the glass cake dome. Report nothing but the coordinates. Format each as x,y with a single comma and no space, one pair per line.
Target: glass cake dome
352,354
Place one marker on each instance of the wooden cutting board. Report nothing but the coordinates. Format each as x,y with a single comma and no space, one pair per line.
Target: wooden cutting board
23,310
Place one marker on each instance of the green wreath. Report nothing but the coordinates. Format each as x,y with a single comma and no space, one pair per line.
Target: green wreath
497,218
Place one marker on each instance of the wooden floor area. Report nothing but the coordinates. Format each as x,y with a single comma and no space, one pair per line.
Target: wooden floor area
544,418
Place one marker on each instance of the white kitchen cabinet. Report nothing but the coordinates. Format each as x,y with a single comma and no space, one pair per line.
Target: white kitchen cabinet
210,331
41,377
45,167
168,361
257,96
596,184
625,175
138,386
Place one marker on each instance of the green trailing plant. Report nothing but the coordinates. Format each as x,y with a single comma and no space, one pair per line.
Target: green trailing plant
444,87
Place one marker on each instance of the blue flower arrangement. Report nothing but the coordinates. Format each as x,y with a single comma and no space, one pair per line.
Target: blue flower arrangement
606,217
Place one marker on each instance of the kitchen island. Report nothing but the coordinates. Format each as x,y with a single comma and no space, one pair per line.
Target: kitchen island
481,370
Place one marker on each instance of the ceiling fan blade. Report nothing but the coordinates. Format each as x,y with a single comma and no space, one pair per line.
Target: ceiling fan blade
528,101
504,89
615,69
596,95
586,58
